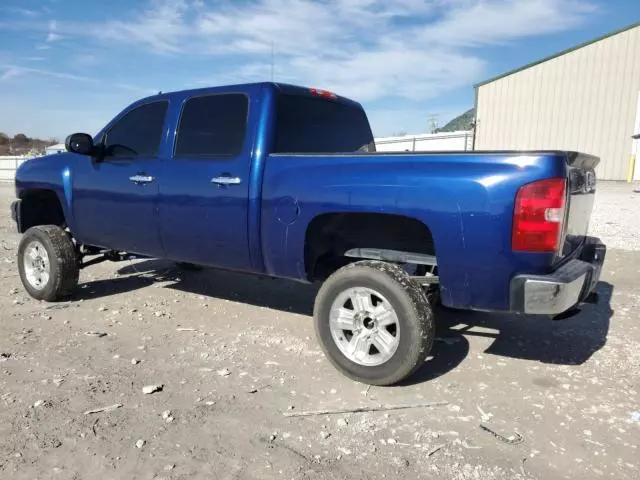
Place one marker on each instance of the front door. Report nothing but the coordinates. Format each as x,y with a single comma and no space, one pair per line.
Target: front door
204,189
115,196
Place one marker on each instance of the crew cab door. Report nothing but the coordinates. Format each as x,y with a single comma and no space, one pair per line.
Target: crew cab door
204,191
114,196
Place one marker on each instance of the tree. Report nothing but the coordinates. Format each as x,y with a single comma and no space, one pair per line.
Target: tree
21,139
4,139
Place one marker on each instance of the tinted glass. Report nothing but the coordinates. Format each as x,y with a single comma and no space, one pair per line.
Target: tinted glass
138,133
213,126
316,125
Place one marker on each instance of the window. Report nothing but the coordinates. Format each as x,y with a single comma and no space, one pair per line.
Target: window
138,133
316,125
213,126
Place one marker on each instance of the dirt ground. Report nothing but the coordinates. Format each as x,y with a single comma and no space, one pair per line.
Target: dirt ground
235,354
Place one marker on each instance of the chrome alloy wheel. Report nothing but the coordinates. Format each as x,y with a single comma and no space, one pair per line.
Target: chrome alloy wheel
37,267
364,326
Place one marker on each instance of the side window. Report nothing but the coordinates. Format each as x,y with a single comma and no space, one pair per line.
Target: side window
213,126
138,133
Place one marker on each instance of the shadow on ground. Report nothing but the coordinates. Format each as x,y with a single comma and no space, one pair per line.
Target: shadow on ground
566,342
276,294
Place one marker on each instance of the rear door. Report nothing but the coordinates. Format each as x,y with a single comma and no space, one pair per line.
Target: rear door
204,191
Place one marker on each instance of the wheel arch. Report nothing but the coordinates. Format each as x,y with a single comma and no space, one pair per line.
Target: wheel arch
40,206
329,236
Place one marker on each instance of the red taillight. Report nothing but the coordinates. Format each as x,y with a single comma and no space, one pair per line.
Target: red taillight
323,93
538,216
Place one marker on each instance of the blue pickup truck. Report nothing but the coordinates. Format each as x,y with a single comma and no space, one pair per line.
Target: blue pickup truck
284,181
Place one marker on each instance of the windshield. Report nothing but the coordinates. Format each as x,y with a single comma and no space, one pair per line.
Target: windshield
317,125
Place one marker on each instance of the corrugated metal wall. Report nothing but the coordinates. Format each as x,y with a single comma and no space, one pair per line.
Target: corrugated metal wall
583,100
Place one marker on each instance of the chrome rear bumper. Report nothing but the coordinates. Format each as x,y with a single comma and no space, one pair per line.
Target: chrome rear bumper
563,289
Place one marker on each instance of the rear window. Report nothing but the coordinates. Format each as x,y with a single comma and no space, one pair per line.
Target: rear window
316,125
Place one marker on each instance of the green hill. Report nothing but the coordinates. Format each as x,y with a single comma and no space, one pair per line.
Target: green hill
462,122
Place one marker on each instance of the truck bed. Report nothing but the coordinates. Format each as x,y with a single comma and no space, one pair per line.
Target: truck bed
466,199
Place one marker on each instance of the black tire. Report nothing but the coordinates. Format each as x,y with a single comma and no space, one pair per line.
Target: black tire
414,313
63,263
191,267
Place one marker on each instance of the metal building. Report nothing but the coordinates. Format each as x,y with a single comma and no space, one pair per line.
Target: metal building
586,98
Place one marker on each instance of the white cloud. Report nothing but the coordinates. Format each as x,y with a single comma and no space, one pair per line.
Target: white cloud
135,88
52,35
369,49
159,28
476,23
22,11
14,71
11,71
381,52
84,60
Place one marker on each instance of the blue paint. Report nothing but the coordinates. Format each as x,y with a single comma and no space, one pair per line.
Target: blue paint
465,198
470,222
67,186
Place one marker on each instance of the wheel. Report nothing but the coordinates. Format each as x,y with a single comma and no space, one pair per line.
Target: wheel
188,266
374,324
47,263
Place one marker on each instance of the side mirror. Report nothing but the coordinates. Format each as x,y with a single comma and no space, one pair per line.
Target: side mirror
81,143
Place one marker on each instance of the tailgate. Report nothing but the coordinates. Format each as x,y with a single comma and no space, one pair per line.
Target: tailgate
581,190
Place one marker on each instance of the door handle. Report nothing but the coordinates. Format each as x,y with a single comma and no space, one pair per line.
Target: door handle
138,179
225,181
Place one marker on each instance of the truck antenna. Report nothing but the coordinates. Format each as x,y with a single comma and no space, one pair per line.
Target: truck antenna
272,60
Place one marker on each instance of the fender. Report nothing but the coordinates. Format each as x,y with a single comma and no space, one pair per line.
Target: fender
51,173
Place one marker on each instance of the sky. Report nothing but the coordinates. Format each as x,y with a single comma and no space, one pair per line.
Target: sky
72,65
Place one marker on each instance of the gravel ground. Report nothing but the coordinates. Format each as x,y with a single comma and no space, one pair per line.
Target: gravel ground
234,354
616,216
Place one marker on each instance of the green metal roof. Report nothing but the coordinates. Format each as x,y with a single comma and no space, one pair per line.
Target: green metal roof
559,54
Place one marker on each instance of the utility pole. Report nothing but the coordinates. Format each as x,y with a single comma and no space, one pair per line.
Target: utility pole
433,122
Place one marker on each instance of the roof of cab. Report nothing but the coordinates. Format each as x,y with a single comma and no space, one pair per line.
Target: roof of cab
281,87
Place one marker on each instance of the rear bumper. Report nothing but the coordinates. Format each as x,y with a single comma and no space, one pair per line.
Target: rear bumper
563,289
